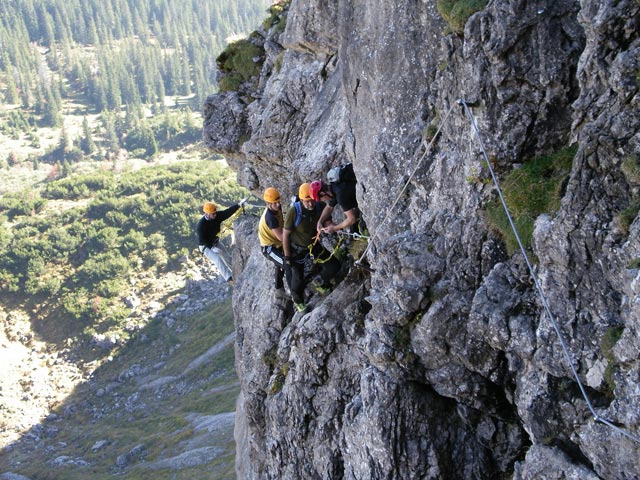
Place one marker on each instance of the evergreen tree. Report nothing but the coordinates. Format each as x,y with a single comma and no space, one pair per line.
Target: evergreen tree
111,138
134,43
11,93
87,144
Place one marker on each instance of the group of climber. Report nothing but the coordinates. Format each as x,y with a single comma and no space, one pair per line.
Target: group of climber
292,240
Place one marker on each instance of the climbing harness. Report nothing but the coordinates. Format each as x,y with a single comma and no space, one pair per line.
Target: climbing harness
596,417
319,260
413,173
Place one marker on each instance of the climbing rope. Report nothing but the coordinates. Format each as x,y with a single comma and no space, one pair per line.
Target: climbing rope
543,298
325,260
355,235
413,173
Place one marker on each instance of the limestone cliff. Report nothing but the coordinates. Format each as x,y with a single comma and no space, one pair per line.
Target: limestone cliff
441,363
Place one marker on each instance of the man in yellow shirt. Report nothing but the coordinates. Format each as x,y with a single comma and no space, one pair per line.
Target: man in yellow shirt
270,233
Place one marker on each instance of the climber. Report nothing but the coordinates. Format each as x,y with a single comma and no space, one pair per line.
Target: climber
341,190
270,233
300,245
208,229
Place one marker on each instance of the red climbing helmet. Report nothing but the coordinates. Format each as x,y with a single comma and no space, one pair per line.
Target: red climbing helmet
315,189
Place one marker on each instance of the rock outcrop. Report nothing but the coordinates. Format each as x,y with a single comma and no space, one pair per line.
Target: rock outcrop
442,363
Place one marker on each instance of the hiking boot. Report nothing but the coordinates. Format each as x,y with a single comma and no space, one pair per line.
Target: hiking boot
301,307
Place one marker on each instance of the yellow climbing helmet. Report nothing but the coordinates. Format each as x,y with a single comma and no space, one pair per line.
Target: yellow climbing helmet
209,207
304,192
271,195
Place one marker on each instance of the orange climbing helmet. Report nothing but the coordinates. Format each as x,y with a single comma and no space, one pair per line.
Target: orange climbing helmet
304,192
271,195
209,207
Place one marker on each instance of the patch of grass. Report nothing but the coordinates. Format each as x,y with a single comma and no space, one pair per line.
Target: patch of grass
635,263
240,61
457,12
631,168
608,341
629,214
533,189
207,329
222,402
277,16
270,357
278,380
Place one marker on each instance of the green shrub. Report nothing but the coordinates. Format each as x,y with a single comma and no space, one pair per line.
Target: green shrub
76,302
237,62
529,191
111,287
631,168
23,203
9,282
277,15
103,266
608,341
62,241
629,214
457,12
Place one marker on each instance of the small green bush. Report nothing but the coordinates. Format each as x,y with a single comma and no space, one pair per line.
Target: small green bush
237,61
457,12
631,168
533,189
277,15
633,264
230,83
629,214
608,341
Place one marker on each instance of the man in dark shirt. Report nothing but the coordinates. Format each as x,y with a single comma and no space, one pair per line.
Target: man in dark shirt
339,191
300,244
208,229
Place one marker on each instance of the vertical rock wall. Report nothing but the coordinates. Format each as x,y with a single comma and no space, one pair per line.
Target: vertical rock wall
441,363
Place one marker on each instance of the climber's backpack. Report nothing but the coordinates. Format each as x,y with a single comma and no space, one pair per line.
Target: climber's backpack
342,174
298,206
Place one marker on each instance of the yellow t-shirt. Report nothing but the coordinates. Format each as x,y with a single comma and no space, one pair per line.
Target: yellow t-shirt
270,220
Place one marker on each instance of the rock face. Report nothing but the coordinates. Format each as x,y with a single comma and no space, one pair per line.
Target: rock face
442,363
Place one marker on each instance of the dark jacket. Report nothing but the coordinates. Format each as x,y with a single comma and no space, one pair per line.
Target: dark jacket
208,230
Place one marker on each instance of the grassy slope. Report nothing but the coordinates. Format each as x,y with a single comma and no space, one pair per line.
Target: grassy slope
120,406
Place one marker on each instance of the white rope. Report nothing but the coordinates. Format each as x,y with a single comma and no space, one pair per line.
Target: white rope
355,235
596,417
415,170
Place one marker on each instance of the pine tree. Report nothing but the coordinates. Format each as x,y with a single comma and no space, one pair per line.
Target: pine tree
11,93
87,144
111,138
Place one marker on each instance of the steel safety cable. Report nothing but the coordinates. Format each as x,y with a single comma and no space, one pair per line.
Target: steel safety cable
543,298
413,173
